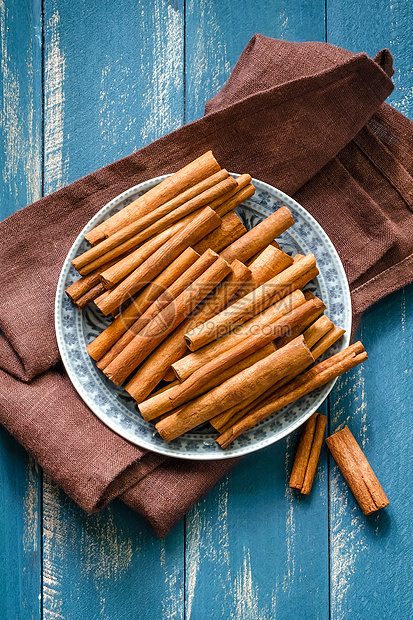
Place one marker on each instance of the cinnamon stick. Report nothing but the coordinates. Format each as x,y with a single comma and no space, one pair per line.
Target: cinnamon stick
269,263
169,375
314,454
327,340
102,343
81,286
308,454
299,328
239,197
254,379
317,330
203,223
179,394
91,295
188,176
266,264
242,181
165,322
190,363
84,284
136,254
314,378
357,471
173,348
260,236
244,348
227,419
250,305
110,277
189,276
161,218
230,229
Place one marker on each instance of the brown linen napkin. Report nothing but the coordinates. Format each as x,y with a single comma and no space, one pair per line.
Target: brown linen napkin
305,117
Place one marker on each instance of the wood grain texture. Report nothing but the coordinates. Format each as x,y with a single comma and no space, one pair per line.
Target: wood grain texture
376,405
217,33
20,166
376,399
108,565
250,546
371,26
249,531
113,82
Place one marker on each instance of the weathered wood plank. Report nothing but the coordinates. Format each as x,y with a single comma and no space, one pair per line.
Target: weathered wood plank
217,33
254,548
371,26
257,549
108,565
113,82
20,165
370,557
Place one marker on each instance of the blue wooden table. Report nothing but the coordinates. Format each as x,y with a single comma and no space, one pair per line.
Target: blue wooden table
84,82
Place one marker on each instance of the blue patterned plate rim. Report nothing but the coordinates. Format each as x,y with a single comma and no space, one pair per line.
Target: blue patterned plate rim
114,407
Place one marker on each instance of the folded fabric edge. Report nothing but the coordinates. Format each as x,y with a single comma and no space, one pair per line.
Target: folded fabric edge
164,497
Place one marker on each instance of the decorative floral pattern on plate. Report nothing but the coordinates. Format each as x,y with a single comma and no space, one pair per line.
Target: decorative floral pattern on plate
76,328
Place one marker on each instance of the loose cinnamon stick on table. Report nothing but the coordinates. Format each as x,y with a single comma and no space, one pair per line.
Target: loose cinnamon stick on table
357,471
179,394
173,348
165,322
260,236
308,453
190,363
254,379
250,305
314,378
102,343
160,219
189,276
202,224
188,176
230,229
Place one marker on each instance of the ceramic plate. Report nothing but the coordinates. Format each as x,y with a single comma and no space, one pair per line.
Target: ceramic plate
76,328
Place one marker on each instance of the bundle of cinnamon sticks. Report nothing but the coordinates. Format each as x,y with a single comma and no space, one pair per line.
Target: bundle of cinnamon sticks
214,314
